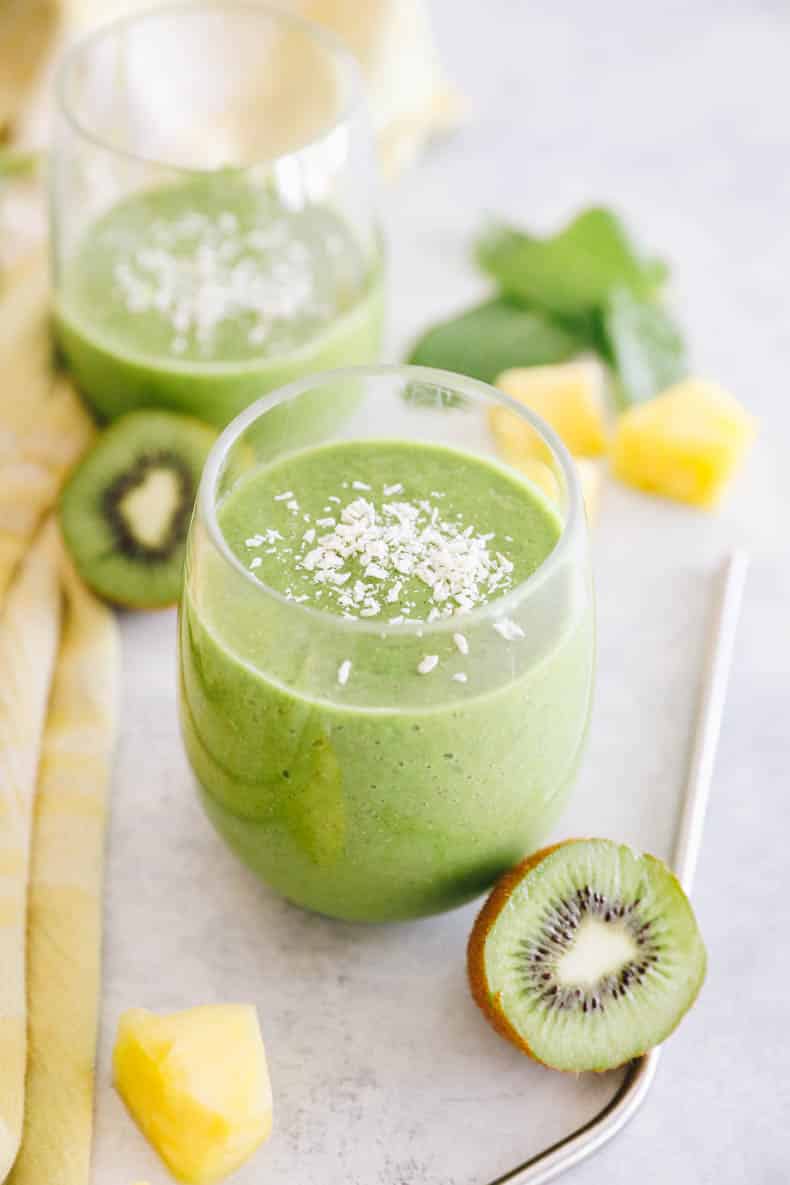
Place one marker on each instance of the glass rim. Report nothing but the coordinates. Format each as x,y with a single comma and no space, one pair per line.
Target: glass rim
319,34
206,502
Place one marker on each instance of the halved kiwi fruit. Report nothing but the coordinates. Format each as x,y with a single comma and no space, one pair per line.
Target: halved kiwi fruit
586,955
125,510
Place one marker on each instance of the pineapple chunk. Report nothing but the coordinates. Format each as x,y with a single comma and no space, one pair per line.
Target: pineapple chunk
684,444
197,1084
543,476
569,397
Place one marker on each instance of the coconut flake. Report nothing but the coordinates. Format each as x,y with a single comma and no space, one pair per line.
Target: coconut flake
429,663
343,672
508,630
461,644
370,555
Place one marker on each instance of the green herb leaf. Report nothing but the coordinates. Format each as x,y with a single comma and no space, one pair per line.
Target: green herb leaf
433,397
572,271
491,337
645,346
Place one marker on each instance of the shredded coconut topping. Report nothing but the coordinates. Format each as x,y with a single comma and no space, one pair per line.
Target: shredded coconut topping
428,664
509,630
396,557
199,272
461,644
384,549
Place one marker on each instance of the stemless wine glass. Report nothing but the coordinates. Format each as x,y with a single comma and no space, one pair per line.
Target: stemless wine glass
378,768
214,228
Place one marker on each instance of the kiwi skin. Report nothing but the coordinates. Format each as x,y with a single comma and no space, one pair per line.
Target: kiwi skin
489,1002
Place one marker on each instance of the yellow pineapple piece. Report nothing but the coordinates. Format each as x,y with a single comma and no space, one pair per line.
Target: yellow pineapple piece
569,397
543,476
684,444
198,1085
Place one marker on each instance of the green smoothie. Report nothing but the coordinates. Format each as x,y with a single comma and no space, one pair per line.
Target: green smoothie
377,728
203,295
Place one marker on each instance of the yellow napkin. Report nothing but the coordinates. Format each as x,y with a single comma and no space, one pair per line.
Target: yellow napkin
28,645
43,426
26,31
409,95
65,897
57,726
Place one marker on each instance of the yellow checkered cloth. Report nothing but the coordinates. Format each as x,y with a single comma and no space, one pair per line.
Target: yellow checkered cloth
59,659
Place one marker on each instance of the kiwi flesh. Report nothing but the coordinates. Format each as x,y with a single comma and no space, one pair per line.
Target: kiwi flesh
586,955
125,510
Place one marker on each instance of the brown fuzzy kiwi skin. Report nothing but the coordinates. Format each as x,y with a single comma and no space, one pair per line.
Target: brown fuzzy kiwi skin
489,1002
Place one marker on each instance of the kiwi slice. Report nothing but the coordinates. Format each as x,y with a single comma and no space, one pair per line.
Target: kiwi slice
125,510
586,955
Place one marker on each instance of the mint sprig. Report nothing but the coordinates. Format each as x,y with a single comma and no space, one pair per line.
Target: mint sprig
571,272
587,287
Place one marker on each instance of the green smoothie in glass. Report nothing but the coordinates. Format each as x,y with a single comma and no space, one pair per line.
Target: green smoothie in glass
385,674
214,229
202,295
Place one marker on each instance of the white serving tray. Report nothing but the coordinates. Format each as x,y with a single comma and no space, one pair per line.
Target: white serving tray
384,1072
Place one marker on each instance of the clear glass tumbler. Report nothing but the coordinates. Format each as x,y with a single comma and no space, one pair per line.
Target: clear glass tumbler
371,767
213,207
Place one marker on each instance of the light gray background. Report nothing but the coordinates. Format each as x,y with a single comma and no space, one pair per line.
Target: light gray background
679,114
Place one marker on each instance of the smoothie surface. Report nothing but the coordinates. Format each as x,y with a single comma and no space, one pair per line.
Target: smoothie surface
388,530
213,269
202,295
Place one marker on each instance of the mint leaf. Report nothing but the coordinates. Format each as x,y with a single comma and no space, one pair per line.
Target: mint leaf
491,337
644,344
571,272
433,397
